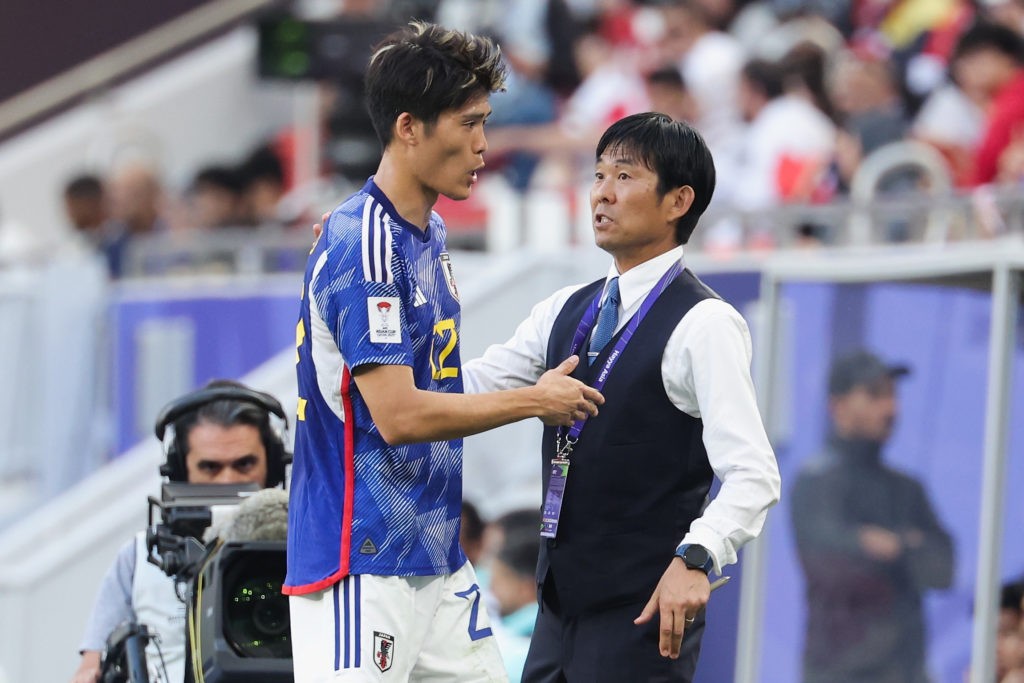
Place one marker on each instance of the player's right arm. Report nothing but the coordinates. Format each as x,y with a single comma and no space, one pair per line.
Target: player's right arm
360,316
405,414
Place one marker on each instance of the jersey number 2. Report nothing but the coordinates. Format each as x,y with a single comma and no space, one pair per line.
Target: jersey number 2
444,329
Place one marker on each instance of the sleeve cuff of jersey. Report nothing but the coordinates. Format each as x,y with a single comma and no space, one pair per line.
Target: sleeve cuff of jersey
353,365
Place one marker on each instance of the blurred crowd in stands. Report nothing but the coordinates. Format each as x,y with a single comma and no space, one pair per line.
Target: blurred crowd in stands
791,95
504,554
109,213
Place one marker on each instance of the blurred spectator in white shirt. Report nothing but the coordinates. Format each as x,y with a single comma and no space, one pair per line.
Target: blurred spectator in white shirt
710,61
787,144
952,120
784,155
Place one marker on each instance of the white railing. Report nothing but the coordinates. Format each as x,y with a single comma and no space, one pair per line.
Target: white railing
935,216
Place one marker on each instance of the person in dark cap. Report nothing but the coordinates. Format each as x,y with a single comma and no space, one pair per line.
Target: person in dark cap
868,539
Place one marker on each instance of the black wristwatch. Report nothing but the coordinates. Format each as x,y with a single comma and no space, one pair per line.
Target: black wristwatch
695,557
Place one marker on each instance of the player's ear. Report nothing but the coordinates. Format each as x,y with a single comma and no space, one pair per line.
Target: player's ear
407,128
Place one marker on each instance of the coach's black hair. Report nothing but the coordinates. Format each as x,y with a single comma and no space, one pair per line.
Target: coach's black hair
425,70
676,153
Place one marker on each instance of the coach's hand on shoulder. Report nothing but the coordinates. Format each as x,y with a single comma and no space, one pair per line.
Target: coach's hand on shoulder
680,595
562,399
318,228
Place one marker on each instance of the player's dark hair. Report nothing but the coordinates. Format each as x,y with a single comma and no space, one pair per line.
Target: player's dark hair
676,153
425,70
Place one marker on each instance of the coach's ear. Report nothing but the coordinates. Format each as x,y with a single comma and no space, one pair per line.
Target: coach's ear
677,202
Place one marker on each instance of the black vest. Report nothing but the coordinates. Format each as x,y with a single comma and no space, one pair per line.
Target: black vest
639,474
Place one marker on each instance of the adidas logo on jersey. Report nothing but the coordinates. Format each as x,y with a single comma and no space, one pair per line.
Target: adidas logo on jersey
368,547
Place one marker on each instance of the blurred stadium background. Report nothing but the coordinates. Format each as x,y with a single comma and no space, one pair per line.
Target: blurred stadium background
161,165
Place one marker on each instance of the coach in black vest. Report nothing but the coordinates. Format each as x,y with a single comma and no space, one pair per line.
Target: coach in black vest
629,536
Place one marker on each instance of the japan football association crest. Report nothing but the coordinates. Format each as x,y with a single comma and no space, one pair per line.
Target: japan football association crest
449,274
383,650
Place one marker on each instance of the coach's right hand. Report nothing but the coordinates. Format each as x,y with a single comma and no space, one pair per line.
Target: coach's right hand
563,399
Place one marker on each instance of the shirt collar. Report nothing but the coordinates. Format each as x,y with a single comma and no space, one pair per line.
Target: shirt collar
371,188
639,280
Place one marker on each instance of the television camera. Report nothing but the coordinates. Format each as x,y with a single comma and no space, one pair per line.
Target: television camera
224,546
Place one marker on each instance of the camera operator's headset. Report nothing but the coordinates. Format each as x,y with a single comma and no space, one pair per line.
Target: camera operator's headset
174,468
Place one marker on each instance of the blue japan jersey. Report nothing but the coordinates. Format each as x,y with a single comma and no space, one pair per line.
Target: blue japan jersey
378,290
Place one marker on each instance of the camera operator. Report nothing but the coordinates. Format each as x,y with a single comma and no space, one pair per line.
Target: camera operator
220,434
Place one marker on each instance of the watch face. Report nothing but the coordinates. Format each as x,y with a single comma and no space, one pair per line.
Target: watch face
696,557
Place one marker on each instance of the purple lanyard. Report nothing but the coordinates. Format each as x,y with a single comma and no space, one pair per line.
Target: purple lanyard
587,322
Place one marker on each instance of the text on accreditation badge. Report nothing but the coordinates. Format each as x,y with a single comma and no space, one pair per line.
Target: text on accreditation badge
553,501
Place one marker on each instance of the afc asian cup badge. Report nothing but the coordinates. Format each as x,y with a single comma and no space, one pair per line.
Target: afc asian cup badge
383,650
449,274
385,319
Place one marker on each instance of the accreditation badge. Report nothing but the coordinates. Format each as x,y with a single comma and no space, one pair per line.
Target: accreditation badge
553,501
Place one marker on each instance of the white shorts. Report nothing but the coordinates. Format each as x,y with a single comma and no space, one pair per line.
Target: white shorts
395,628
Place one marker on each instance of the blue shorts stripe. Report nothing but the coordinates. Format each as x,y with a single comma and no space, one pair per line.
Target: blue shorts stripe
348,609
337,627
358,603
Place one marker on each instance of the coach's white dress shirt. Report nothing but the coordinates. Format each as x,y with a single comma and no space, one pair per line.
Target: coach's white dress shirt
706,372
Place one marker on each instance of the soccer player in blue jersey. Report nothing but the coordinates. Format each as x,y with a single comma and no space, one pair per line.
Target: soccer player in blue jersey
379,585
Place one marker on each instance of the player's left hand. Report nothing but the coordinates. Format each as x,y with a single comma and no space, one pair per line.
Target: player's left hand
679,596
